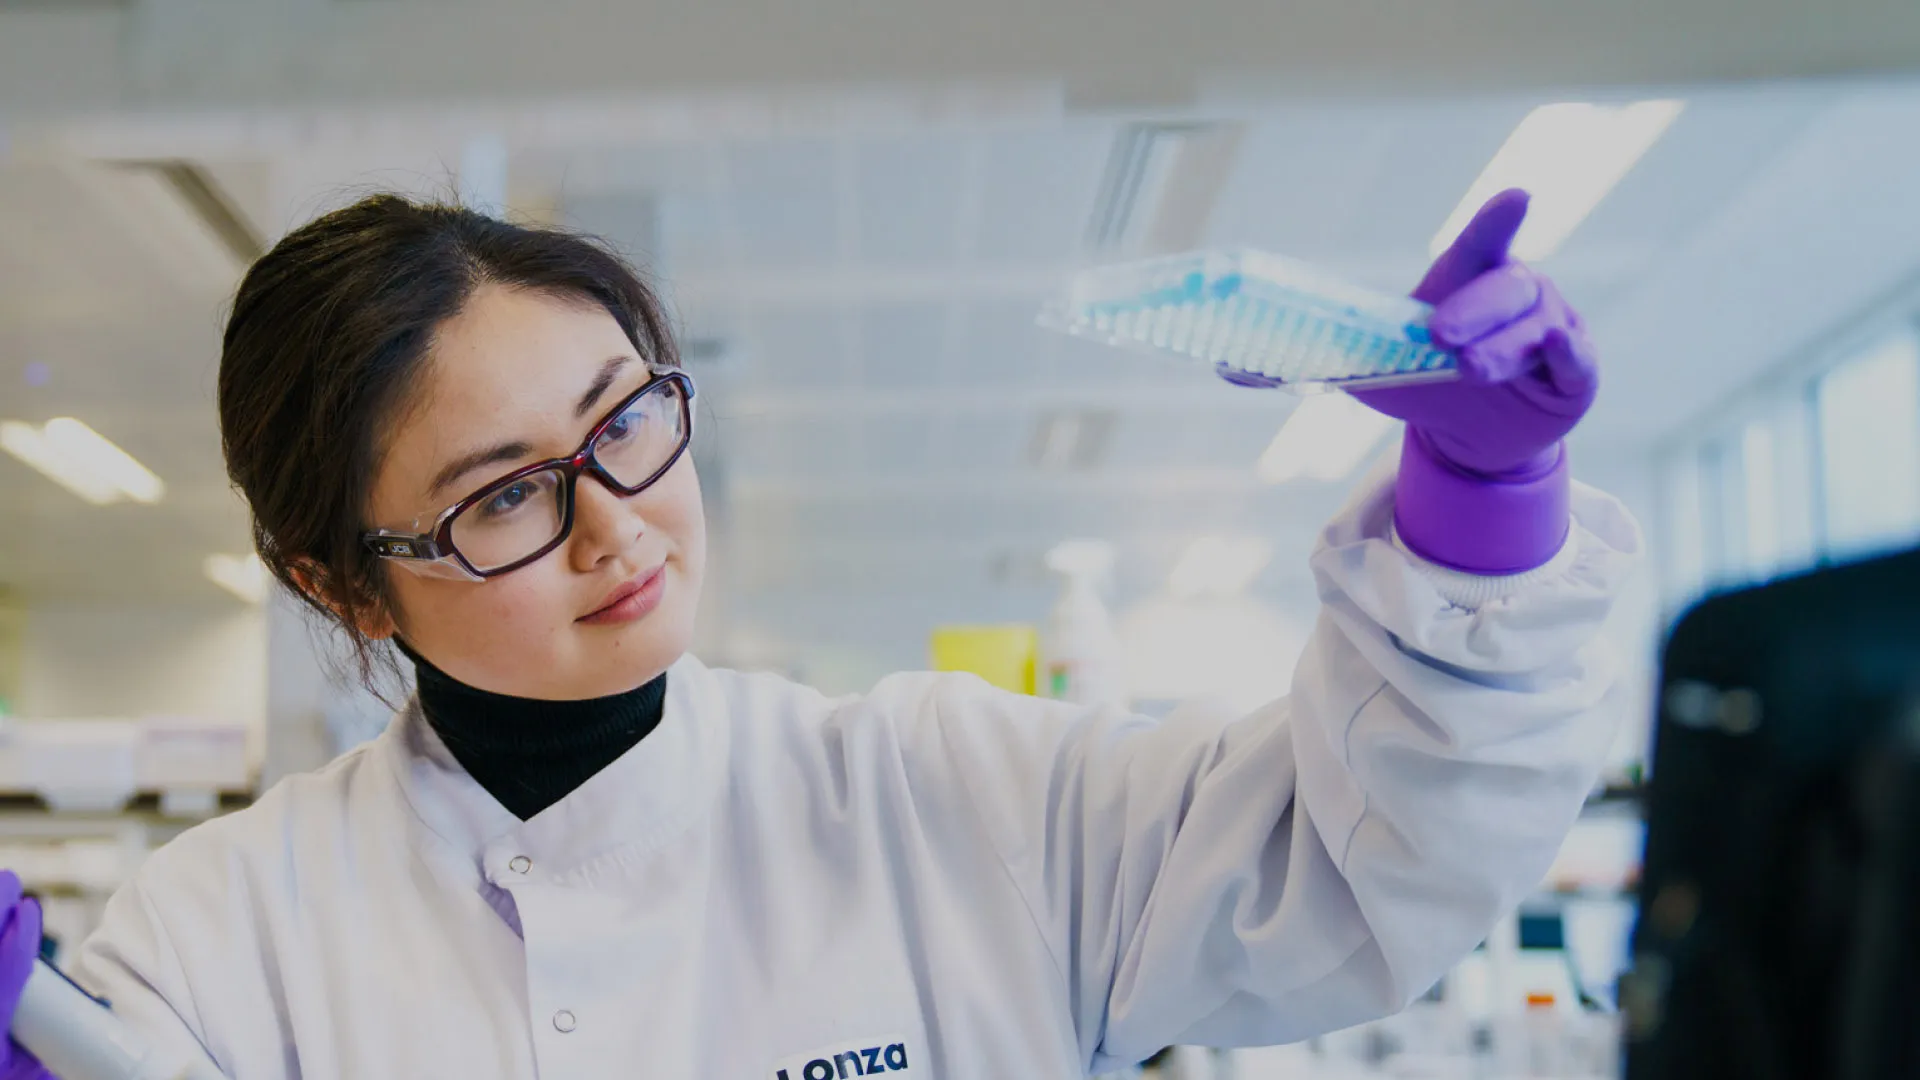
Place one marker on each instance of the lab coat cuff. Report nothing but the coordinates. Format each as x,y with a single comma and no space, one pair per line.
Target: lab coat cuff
1475,591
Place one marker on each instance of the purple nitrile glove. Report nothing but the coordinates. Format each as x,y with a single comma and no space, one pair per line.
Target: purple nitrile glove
19,948
1527,373
1483,483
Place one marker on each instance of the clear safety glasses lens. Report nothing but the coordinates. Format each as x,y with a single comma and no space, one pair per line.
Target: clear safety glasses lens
644,437
512,521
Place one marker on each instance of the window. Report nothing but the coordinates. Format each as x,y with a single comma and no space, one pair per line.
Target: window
1777,491
1721,494
1759,473
1869,448
1829,469
1832,471
1685,531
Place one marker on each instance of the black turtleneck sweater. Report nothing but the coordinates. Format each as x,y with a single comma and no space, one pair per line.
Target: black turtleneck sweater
527,753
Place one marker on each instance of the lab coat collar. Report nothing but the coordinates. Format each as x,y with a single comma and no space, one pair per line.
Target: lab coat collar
644,798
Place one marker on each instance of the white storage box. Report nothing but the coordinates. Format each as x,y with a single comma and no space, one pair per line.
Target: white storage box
98,765
180,752
75,765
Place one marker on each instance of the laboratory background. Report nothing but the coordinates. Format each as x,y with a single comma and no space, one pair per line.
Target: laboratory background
858,214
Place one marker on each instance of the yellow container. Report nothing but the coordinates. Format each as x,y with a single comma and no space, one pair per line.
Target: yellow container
1002,655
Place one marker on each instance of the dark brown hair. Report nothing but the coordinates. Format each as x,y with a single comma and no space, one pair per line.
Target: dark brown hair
327,339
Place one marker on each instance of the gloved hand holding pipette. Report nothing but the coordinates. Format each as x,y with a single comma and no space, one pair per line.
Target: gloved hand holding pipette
70,1029
19,947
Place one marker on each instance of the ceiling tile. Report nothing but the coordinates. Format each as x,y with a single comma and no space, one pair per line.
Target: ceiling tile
1000,340
908,194
796,346
692,234
1038,189
759,447
1338,183
986,440
784,200
672,168
1082,360
904,345
897,443
1186,437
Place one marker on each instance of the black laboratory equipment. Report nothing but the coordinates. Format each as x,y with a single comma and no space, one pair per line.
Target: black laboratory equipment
1779,925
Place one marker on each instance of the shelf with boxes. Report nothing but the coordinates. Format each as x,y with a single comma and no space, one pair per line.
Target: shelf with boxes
83,802
188,765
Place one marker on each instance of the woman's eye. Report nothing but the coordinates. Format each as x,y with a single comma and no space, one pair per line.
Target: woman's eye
623,427
510,498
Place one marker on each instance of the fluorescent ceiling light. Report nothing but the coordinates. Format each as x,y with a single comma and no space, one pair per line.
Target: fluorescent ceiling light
95,454
1325,438
1218,566
30,444
245,576
1568,155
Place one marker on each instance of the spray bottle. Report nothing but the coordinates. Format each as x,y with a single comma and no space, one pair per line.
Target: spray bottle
1080,653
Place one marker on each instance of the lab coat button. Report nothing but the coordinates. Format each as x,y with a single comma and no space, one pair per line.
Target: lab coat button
520,864
563,1021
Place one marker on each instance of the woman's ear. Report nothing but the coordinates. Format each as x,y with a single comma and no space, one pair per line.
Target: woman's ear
372,621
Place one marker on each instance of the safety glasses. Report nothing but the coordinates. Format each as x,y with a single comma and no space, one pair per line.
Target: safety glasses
527,513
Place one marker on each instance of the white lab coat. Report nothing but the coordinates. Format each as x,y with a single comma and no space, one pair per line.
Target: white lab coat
937,879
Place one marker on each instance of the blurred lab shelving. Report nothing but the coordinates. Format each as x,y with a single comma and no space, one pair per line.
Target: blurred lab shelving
84,802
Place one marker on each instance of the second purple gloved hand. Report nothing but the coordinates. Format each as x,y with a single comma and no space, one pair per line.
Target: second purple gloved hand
19,947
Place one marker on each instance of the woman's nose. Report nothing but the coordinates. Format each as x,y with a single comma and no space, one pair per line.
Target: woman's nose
605,524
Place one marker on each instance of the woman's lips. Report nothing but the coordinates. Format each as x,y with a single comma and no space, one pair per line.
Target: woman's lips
631,602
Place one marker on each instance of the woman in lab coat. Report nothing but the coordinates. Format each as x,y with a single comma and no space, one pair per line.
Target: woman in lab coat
578,852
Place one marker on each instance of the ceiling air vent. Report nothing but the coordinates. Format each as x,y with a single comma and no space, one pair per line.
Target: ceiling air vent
202,196
177,213
1159,187
1071,439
